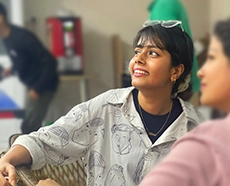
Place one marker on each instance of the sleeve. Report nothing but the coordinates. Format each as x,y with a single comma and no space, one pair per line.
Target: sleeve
68,139
39,55
191,162
164,10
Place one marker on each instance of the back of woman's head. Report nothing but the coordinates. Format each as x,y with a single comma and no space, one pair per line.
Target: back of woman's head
176,42
222,32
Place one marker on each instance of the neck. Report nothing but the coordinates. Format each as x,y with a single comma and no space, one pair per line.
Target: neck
4,31
157,105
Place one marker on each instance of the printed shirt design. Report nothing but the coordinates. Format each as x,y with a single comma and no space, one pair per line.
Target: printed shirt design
108,132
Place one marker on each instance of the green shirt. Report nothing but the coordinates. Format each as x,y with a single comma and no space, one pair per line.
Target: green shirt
174,10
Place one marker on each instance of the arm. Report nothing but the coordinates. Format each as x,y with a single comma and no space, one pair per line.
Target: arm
36,53
33,94
57,143
190,162
17,155
47,182
6,72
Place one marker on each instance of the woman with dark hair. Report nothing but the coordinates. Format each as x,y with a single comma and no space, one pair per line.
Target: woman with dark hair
129,130
202,157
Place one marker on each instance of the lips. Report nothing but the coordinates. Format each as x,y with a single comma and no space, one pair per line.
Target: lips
202,85
140,72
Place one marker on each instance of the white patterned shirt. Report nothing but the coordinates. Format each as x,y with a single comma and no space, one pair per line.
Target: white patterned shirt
108,132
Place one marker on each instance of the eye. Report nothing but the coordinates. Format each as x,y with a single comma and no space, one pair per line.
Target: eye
210,57
137,51
153,53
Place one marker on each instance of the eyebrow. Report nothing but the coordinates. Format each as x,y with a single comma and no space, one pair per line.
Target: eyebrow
149,46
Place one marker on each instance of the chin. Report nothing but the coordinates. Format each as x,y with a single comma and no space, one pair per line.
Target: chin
133,83
205,101
209,103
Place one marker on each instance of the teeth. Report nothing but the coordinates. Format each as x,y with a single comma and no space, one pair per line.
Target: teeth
140,72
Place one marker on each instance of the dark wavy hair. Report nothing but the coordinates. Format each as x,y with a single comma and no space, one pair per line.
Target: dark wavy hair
222,32
175,41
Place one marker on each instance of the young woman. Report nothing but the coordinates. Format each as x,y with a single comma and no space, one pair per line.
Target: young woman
123,133
202,157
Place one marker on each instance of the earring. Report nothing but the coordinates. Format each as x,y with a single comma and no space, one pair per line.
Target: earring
174,81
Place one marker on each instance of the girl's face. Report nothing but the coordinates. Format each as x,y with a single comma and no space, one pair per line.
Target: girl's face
215,76
151,68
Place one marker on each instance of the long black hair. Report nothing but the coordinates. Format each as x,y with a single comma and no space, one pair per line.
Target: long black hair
222,32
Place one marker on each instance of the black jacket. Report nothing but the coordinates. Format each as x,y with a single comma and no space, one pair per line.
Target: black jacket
35,65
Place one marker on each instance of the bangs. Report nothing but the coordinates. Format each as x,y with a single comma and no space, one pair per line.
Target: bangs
147,36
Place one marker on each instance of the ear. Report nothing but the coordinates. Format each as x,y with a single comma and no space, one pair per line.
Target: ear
176,72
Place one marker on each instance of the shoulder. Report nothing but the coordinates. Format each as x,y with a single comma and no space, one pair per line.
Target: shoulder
18,30
22,33
215,132
215,128
191,112
209,135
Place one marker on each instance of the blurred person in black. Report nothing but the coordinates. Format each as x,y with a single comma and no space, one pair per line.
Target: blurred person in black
35,67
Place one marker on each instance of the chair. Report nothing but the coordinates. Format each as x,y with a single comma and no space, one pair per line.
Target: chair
66,175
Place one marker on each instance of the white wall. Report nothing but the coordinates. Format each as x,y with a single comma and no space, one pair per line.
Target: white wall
198,13
219,10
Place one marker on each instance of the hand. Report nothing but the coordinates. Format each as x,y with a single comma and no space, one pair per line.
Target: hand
6,72
33,94
4,181
17,155
6,169
47,182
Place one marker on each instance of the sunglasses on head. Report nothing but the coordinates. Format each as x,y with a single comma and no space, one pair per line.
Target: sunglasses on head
165,24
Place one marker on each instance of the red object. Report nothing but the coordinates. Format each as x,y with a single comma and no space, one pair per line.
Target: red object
55,41
6,115
65,43
58,29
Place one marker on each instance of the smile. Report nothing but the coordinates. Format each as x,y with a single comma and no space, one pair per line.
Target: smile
140,72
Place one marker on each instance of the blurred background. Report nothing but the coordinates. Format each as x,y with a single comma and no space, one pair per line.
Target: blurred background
106,31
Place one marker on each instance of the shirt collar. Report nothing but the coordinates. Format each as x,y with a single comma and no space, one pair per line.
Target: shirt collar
119,96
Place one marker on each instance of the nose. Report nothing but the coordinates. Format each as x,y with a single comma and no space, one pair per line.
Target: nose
200,73
139,59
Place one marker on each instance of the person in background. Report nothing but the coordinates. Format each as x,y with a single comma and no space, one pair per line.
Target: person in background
122,133
202,157
35,67
175,10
